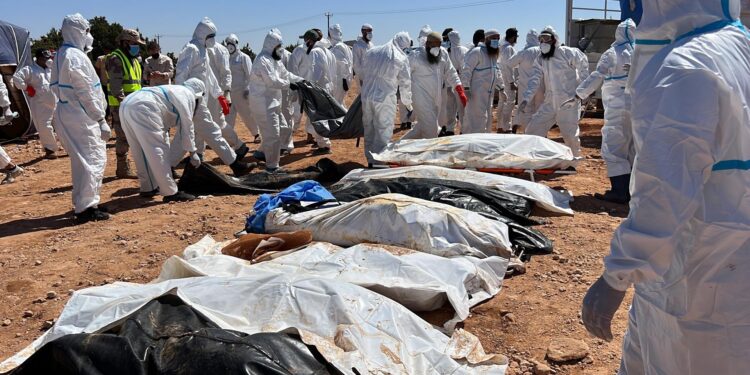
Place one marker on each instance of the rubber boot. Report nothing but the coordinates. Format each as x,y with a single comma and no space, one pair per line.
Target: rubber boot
620,192
123,168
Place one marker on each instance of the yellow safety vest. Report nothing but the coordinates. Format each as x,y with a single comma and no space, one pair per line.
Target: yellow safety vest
131,77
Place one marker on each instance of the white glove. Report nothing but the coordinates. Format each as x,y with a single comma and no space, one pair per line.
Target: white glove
195,161
7,116
228,96
106,131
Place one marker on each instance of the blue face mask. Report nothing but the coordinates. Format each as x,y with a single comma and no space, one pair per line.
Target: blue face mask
446,45
135,50
495,43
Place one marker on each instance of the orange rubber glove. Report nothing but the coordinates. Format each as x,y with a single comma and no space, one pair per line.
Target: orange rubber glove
224,105
461,95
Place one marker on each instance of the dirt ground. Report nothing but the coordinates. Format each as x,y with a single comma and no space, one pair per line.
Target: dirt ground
45,256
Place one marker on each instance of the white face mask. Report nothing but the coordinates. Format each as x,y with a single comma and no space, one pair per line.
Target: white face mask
49,63
88,42
210,42
369,36
545,47
435,51
279,51
232,49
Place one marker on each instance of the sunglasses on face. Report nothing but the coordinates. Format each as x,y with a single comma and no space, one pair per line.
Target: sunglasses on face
545,38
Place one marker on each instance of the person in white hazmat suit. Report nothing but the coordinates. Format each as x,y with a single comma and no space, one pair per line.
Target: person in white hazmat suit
318,66
194,63
480,76
80,116
506,108
431,69
343,55
219,62
268,78
6,116
147,115
611,75
684,245
407,117
293,66
524,61
452,105
288,99
386,69
360,47
34,79
240,64
561,69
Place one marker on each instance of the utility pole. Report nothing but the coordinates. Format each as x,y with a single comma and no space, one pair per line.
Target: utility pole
158,41
328,17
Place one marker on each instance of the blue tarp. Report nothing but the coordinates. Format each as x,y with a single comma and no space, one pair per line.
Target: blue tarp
305,191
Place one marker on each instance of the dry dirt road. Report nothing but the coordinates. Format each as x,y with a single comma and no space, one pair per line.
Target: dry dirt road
45,256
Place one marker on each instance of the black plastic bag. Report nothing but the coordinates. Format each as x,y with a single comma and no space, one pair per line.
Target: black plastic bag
166,336
327,116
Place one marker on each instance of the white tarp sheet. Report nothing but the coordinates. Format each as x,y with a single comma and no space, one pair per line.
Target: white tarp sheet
502,151
551,200
399,220
418,281
352,327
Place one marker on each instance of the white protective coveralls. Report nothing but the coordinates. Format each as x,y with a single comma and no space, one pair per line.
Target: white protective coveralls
358,55
343,55
80,108
561,74
318,66
42,105
4,103
451,103
505,108
427,81
293,66
386,69
403,112
268,78
480,75
524,61
218,57
240,64
194,63
611,75
288,101
686,241
147,115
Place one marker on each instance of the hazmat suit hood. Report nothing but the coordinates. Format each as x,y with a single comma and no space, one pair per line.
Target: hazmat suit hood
402,40
532,39
205,28
336,34
273,39
625,33
423,32
551,30
197,86
323,43
232,39
73,31
455,38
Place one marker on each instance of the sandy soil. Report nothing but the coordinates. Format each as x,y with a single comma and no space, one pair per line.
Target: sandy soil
45,256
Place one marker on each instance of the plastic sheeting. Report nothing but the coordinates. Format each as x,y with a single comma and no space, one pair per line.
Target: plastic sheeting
546,198
166,336
206,179
485,151
327,116
511,209
418,281
353,328
15,53
399,220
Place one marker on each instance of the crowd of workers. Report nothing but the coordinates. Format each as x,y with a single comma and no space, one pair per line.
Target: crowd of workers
676,120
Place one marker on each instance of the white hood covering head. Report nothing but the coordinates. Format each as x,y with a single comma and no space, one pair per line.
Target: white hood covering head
273,39
625,33
551,30
532,39
73,30
335,33
402,40
198,87
205,28
232,39
455,38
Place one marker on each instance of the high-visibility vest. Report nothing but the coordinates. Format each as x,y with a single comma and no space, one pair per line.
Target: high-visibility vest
131,77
